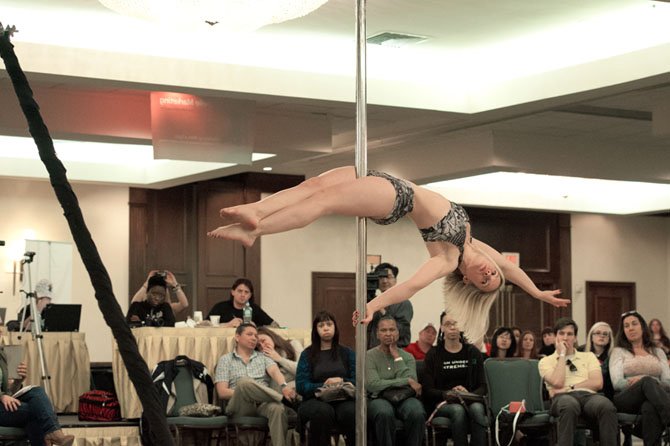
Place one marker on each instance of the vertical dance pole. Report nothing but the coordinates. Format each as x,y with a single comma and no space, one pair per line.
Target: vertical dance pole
361,259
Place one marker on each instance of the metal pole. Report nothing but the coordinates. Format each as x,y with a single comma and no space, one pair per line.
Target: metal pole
361,259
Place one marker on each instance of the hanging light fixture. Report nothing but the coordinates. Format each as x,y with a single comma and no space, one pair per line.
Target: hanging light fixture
229,15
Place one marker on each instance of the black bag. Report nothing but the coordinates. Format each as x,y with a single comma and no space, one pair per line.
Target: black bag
338,392
396,395
99,405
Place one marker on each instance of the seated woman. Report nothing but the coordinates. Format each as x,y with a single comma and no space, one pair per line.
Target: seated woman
171,281
326,362
599,342
32,410
44,296
457,366
641,375
527,346
232,310
285,353
503,344
153,312
659,337
388,367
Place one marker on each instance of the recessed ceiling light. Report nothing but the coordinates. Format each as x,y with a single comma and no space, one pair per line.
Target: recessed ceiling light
558,193
267,168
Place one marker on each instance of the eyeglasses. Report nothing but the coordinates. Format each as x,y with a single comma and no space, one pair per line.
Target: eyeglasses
630,313
573,368
601,333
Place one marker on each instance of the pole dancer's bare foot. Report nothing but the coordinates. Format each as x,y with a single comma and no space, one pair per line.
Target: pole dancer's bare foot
234,232
242,214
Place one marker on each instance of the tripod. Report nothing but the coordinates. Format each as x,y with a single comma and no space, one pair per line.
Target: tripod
36,326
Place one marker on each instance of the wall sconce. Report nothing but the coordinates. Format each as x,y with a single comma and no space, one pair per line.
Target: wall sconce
373,260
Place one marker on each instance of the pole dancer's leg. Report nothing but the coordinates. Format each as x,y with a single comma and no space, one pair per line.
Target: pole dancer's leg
250,214
364,197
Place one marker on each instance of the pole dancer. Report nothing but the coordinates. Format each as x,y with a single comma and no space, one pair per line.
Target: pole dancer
474,272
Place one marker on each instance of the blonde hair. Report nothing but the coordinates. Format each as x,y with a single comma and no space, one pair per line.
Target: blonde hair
594,327
469,305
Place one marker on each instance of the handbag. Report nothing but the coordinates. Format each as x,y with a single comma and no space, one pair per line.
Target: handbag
99,405
199,410
513,411
338,392
396,395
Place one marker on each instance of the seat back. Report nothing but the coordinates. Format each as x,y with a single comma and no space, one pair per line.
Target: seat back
183,384
513,379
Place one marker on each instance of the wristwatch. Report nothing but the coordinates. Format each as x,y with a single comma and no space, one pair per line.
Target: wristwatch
284,384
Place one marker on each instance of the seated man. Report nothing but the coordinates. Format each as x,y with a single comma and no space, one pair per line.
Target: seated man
426,340
455,365
572,379
243,379
388,366
155,311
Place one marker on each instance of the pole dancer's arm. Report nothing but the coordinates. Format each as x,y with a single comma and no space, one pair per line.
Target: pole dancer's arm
517,276
433,269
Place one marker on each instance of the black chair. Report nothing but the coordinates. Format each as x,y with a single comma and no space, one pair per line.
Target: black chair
12,436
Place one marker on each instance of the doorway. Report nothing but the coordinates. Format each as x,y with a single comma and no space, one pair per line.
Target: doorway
606,301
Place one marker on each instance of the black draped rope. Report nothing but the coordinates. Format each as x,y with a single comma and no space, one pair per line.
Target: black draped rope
158,432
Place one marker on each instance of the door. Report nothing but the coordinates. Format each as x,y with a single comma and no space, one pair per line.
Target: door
336,293
606,301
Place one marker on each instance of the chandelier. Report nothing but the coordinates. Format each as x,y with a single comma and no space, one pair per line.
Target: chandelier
228,15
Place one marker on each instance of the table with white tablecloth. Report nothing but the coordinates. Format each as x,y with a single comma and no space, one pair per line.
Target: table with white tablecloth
155,344
67,361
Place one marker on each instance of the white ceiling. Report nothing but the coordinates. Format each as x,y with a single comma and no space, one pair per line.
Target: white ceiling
567,88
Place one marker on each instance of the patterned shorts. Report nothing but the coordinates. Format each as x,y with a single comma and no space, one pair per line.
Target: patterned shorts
404,198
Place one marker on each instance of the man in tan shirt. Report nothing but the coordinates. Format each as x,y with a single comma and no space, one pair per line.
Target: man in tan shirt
573,378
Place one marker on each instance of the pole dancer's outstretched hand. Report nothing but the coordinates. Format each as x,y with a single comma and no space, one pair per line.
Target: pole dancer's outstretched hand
549,296
368,316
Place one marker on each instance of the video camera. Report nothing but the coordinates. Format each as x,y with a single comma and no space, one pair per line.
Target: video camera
373,281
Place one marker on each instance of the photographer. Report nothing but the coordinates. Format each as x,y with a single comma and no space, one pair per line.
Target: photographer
171,281
154,311
403,312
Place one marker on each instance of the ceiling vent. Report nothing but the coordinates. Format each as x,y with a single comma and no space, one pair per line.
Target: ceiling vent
395,39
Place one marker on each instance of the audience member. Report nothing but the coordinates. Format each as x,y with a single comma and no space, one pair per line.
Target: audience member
324,363
243,380
43,297
659,337
455,365
154,311
387,366
528,346
426,340
548,342
232,310
402,312
599,342
171,281
572,379
285,353
32,410
503,344
517,334
640,372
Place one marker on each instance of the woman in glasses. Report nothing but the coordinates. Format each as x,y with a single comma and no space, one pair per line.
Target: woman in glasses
503,344
599,342
473,270
641,375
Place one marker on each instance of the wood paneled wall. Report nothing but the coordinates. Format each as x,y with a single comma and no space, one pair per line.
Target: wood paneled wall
168,231
543,241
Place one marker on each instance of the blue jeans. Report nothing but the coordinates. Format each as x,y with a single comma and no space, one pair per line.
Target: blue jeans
475,422
35,415
382,415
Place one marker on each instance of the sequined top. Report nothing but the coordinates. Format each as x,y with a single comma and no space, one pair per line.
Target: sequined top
452,228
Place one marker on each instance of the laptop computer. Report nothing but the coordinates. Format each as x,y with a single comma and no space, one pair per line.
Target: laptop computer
61,317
